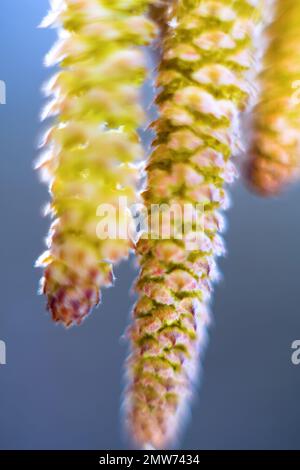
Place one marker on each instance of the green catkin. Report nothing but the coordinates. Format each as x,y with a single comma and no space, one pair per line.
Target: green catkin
275,147
206,56
93,147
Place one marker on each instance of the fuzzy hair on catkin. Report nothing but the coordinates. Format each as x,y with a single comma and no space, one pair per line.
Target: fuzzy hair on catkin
207,53
92,151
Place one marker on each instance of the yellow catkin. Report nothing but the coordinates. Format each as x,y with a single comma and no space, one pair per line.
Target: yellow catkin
206,56
275,149
93,147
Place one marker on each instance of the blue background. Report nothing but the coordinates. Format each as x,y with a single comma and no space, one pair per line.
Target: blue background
61,389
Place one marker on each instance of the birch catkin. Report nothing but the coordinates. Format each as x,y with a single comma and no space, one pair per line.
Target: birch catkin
275,150
93,146
206,55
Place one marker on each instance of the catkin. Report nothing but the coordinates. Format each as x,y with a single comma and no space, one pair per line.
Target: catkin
92,150
274,158
206,55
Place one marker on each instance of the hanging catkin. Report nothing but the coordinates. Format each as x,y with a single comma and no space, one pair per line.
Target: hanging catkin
93,146
274,159
206,55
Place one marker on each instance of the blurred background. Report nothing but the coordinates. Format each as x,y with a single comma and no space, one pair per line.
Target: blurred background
61,389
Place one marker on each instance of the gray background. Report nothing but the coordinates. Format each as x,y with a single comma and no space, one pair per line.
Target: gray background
61,389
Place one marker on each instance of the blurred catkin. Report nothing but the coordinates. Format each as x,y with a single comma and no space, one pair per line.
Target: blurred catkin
206,55
274,159
93,147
